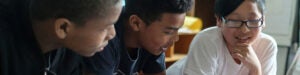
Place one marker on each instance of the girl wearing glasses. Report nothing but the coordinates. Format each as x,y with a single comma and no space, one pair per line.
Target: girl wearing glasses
236,46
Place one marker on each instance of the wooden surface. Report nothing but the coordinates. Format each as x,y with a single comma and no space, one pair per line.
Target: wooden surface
182,45
204,9
179,49
173,59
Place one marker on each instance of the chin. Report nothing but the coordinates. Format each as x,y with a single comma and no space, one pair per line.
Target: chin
154,51
88,54
157,53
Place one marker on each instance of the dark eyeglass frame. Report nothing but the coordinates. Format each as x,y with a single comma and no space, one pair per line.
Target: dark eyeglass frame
243,22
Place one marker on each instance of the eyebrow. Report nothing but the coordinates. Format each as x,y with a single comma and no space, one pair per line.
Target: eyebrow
236,14
172,28
111,23
249,14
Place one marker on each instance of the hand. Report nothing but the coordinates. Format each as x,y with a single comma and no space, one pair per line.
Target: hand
246,55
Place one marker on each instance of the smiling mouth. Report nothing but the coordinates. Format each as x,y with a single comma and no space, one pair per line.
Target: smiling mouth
243,39
102,47
164,49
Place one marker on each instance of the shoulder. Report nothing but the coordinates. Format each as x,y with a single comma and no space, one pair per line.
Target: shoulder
211,36
65,61
6,37
207,42
266,39
265,45
209,33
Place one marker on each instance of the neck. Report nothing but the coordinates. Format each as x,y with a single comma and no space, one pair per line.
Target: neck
230,49
131,42
131,39
44,36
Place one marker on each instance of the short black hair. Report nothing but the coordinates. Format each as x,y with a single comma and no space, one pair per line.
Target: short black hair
151,10
78,11
224,7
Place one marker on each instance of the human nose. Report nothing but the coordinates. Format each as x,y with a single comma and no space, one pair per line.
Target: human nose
244,28
176,38
111,33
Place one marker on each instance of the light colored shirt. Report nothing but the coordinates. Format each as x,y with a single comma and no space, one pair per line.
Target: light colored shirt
208,55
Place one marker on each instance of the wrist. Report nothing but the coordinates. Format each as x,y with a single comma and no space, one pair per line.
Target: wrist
255,70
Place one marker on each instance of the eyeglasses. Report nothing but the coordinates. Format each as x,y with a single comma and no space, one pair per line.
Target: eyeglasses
238,23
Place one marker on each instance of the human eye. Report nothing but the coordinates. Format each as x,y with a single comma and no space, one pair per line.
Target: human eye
169,32
106,27
233,23
254,23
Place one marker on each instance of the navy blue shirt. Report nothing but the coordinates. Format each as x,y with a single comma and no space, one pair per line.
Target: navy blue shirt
19,52
115,59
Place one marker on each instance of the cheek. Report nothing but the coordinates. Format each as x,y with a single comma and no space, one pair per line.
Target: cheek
91,40
229,33
78,43
255,33
153,40
97,39
161,40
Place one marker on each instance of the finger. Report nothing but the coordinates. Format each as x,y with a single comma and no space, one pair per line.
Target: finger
242,45
236,50
237,56
244,53
241,49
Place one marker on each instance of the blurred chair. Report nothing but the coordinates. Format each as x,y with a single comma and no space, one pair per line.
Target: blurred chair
192,25
294,68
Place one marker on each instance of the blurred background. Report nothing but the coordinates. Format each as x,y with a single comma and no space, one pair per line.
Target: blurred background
282,22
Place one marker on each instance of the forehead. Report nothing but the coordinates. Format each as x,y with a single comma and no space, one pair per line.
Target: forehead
246,10
175,19
110,11
108,19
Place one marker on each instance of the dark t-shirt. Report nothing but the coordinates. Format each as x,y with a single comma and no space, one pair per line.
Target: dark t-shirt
19,52
115,59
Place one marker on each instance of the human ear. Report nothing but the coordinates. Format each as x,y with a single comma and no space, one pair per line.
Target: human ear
219,21
264,23
62,27
135,22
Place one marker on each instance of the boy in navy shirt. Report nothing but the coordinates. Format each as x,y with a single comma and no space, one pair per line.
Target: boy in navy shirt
144,32
34,34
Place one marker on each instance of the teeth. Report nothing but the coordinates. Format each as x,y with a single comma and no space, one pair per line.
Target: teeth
164,48
242,38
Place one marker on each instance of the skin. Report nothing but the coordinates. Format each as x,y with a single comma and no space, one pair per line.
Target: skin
85,40
155,37
239,40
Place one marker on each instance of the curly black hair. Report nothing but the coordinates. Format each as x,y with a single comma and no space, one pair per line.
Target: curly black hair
151,10
224,7
78,11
